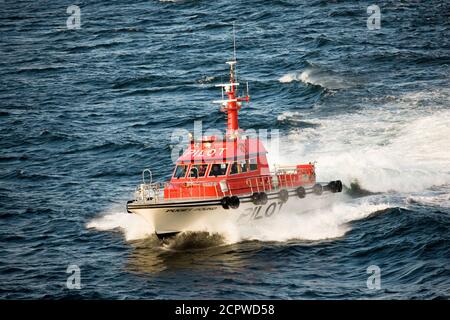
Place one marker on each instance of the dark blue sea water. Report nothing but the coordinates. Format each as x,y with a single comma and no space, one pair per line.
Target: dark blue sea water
83,111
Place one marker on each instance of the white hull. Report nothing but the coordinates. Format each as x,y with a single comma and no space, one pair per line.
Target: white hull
203,216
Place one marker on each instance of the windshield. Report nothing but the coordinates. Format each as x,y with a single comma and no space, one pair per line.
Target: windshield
198,170
218,169
180,171
238,167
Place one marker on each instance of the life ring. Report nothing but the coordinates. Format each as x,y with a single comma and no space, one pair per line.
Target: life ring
301,193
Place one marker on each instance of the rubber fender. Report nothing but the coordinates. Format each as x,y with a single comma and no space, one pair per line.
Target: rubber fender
332,186
225,202
255,198
318,189
338,185
263,198
234,202
283,195
301,193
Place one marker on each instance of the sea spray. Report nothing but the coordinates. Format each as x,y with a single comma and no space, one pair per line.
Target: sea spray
133,226
327,223
377,148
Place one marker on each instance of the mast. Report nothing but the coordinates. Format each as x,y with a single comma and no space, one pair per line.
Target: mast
233,103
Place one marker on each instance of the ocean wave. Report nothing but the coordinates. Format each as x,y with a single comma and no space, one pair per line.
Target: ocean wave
194,240
440,200
317,77
105,147
40,69
296,119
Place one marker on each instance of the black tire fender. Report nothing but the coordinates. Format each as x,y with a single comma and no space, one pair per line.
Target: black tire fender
333,186
283,195
255,198
234,202
301,193
263,198
225,202
338,185
318,189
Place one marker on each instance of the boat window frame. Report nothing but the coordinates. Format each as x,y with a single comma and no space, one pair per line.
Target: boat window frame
243,164
175,171
198,164
219,175
250,164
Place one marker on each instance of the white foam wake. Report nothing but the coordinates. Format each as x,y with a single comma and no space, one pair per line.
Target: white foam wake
384,150
132,226
434,198
328,223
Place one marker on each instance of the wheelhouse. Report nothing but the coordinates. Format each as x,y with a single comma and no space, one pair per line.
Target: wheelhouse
210,159
204,171
210,163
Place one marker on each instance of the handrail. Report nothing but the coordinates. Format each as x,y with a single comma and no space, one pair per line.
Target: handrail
143,176
198,189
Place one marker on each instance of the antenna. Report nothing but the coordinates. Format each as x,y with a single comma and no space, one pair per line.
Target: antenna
234,42
231,102
234,51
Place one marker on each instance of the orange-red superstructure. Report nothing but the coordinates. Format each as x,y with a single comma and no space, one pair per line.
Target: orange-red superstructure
233,164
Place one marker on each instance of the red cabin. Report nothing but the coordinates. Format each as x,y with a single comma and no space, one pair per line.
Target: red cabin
211,168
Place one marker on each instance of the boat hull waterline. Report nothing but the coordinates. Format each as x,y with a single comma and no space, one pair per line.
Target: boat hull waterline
171,218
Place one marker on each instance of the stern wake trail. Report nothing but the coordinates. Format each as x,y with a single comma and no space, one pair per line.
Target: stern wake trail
398,148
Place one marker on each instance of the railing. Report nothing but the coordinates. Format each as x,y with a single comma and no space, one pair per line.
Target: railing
294,175
228,187
260,183
191,189
148,192
282,177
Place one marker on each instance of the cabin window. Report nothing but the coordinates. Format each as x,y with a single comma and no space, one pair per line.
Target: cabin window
180,171
253,164
198,170
218,169
234,168
238,167
244,166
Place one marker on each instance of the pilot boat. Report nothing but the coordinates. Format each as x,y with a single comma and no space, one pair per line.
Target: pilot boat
227,179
